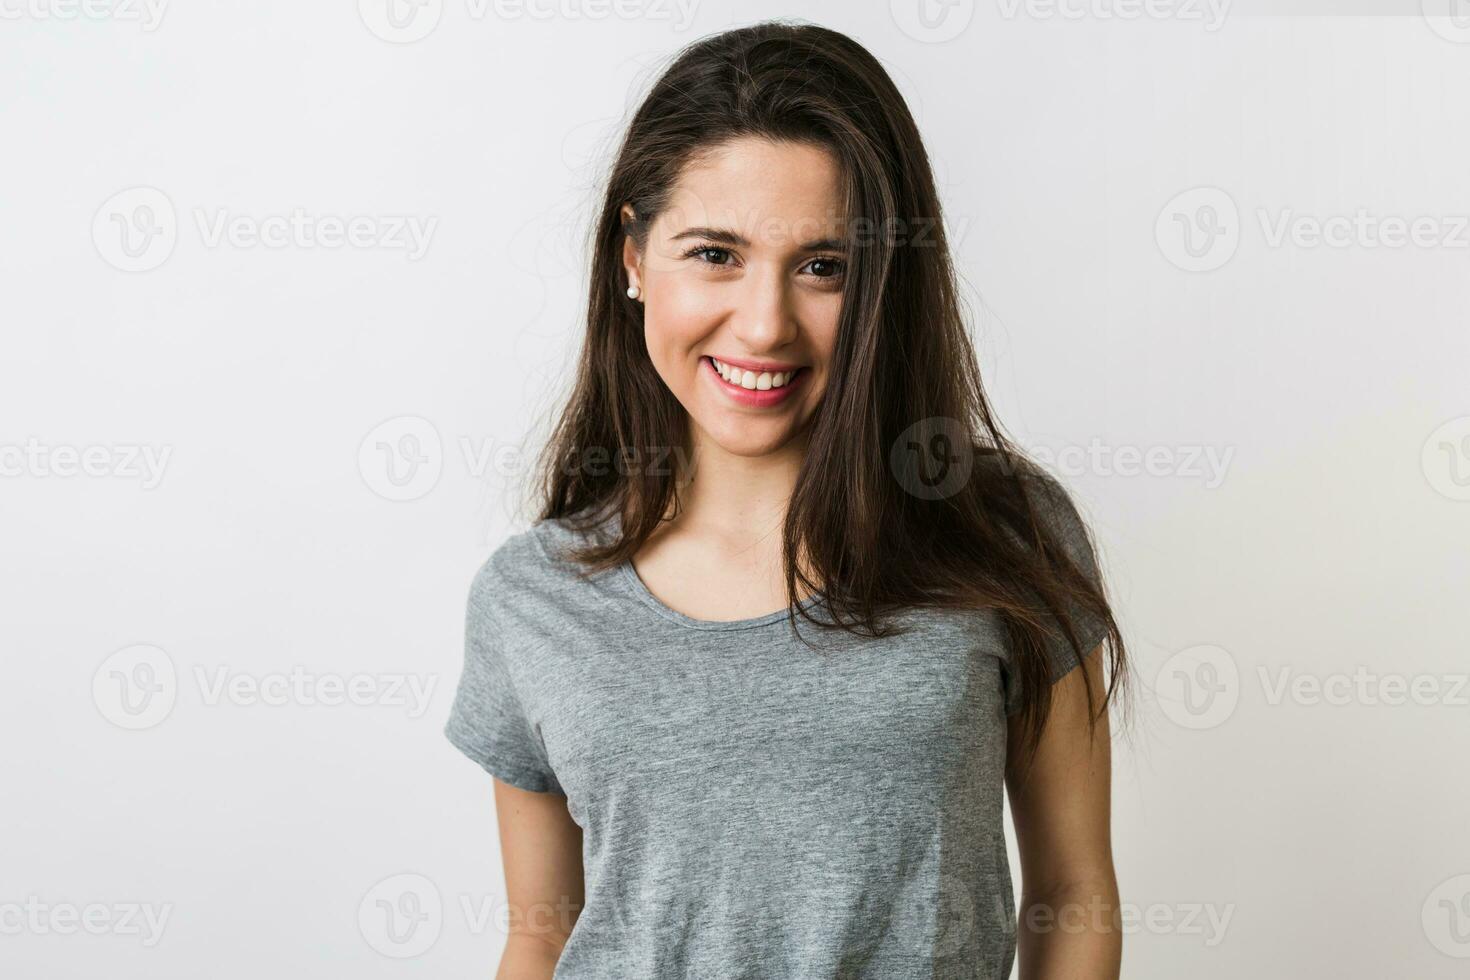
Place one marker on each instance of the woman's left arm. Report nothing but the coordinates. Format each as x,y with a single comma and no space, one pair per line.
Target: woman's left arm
1068,923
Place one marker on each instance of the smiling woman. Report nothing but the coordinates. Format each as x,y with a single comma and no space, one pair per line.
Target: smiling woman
687,783
723,276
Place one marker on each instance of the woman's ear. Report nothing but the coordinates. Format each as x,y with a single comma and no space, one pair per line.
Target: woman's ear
632,260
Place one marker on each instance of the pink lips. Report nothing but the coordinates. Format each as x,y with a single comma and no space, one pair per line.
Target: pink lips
754,397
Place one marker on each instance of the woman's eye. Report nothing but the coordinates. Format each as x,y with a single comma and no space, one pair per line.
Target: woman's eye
827,268
707,250
714,255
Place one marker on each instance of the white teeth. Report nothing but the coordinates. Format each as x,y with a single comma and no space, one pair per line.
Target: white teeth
763,381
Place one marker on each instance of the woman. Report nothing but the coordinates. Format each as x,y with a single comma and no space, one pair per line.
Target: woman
794,612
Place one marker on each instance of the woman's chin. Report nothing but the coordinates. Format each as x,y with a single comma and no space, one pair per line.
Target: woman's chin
741,435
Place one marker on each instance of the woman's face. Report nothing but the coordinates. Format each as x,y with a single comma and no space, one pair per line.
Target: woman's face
741,281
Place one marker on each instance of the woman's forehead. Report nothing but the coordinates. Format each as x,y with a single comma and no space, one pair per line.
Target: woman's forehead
767,193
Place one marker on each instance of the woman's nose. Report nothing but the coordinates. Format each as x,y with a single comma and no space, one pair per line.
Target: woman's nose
763,318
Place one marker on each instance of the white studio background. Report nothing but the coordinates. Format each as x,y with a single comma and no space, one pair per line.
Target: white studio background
1220,265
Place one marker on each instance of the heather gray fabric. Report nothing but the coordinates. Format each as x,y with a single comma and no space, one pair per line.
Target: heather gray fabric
752,808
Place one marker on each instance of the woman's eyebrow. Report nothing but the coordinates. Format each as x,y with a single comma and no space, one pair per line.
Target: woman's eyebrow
715,235
736,240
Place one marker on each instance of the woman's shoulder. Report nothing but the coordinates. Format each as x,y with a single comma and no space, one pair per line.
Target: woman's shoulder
535,559
1030,471
1055,506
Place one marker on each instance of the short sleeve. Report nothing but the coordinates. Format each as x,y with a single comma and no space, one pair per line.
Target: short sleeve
1055,508
487,720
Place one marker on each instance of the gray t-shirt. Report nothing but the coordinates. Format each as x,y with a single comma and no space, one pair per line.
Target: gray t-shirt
750,807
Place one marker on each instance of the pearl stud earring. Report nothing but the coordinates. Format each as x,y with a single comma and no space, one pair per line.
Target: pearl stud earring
634,292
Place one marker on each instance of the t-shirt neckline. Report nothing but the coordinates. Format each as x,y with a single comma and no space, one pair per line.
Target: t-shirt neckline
630,576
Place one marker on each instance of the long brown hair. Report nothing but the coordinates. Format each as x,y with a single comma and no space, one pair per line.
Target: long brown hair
872,526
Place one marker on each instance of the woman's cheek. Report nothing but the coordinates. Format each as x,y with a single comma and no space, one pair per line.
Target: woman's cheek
685,306
678,317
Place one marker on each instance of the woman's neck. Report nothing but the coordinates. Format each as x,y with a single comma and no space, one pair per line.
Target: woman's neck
737,497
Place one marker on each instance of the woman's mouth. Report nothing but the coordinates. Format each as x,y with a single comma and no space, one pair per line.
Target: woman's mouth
759,389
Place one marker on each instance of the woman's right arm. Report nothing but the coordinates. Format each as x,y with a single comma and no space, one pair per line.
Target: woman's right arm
541,850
